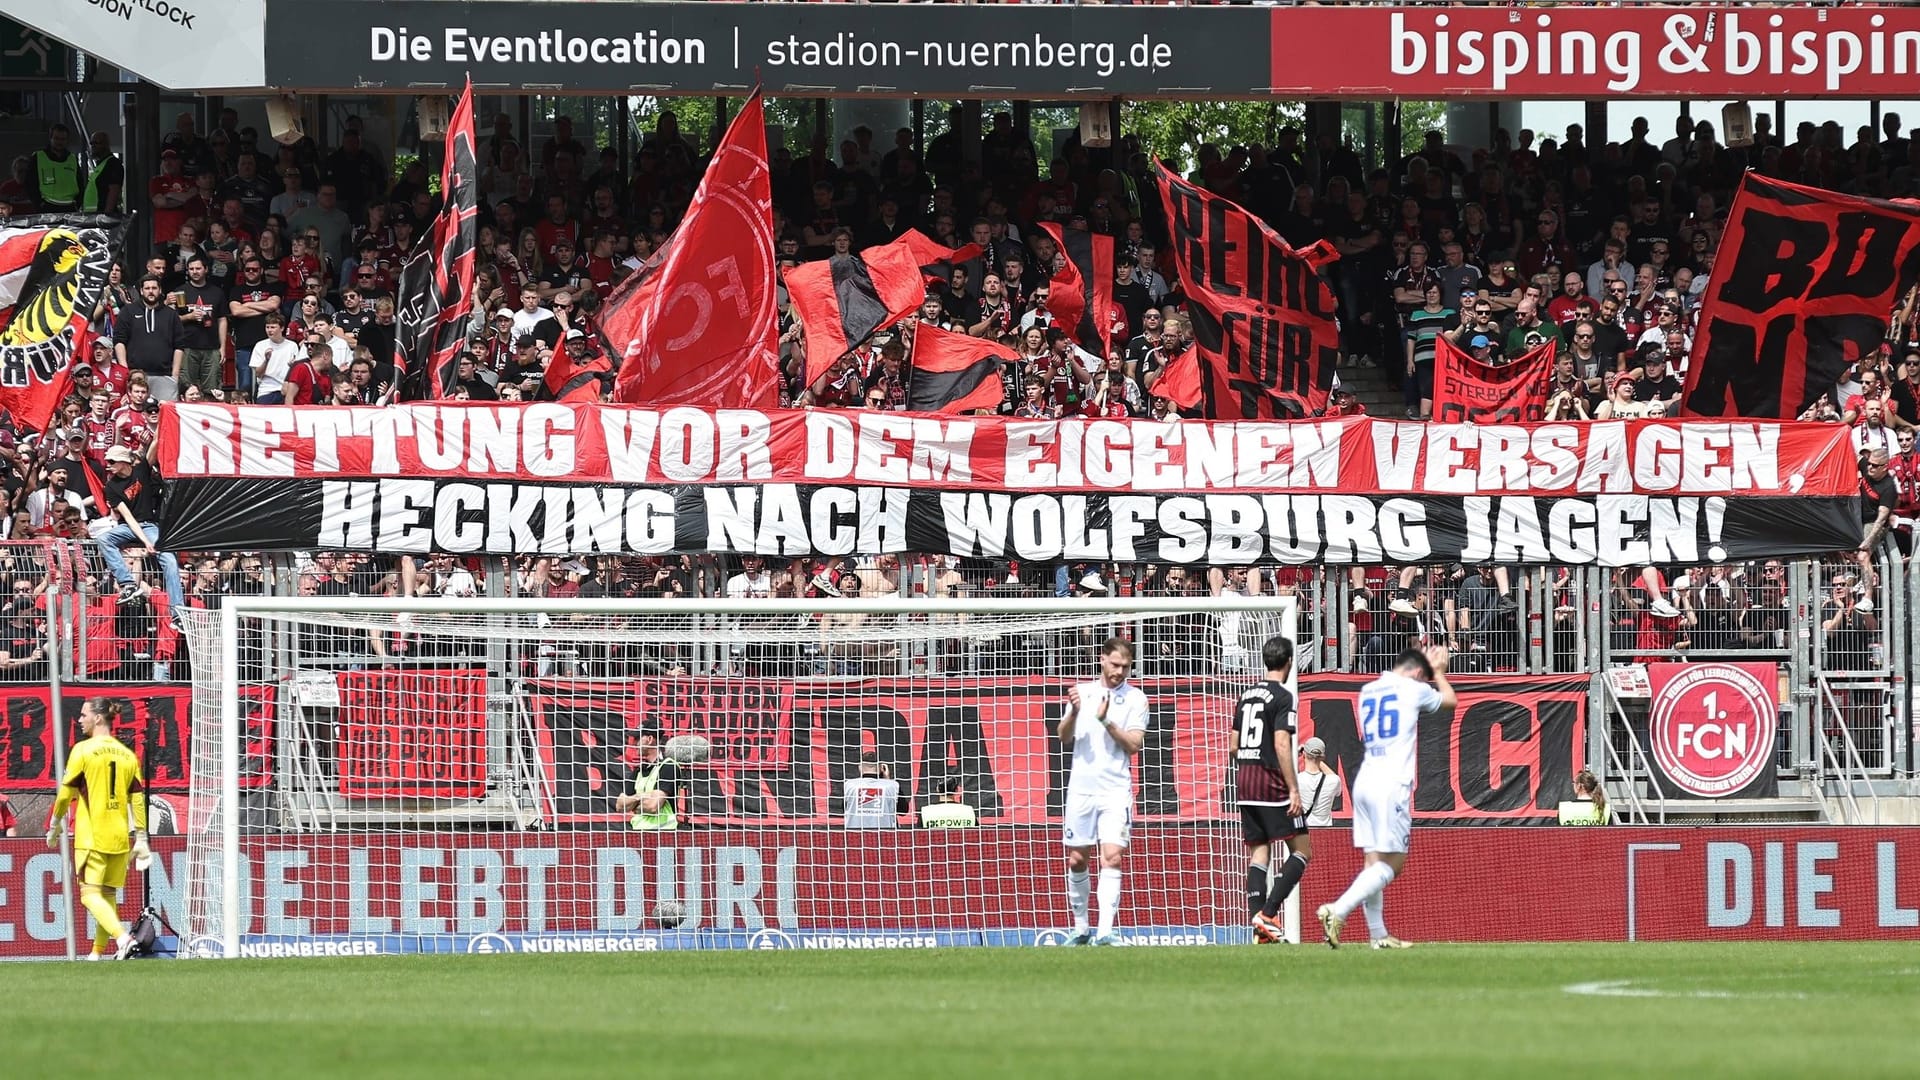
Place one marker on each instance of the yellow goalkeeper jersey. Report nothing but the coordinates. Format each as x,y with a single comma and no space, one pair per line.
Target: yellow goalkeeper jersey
103,776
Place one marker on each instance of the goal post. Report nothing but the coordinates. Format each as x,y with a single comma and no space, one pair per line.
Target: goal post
519,774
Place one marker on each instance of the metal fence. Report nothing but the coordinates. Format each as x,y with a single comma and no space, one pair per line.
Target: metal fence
1839,628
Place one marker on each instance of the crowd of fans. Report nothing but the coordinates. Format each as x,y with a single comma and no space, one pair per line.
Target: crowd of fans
275,278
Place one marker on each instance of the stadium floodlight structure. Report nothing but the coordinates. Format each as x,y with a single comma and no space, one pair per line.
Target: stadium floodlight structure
376,775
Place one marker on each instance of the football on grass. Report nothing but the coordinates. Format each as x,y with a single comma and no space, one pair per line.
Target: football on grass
669,914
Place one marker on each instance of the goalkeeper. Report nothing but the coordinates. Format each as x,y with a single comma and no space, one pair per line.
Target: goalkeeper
103,784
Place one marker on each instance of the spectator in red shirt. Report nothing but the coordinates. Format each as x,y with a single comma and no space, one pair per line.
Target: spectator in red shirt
169,194
310,381
556,226
98,426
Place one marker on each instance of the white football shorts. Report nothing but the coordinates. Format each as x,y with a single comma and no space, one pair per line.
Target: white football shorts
1090,820
1382,817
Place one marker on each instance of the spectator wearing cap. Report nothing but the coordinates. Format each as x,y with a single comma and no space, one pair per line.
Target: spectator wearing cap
133,500
293,197
1319,784
563,272
44,502
168,194
1656,388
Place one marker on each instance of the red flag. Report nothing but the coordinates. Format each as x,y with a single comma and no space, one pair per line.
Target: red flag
937,260
1466,391
955,373
436,285
702,329
842,301
1803,286
582,382
1179,381
1263,316
1081,293
53,269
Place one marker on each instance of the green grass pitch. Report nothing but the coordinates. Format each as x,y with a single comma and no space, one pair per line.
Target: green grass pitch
1684,1010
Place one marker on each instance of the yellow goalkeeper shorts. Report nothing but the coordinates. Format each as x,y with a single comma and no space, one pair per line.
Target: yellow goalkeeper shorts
100,868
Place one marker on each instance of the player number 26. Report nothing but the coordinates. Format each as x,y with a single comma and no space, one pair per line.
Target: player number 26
1380,717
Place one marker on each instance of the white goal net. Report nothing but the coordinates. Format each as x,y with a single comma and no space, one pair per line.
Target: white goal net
545,775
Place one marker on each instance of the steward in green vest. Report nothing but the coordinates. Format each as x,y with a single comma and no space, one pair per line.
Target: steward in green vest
951,812
656,783
105,189
56,172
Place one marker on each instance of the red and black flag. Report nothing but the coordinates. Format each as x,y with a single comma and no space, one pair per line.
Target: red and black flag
1263,314
436,284
843,300
955,373
1803,286
53,269
936,259
1081,293
568,381
698,324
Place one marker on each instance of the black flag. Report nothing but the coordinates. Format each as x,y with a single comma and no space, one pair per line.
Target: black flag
436,284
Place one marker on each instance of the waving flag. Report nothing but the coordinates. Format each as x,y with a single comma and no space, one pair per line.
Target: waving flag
53,269
436,284
936,259
1802,289
843,300
571,382
955,373
1263,315
700,326
1081,296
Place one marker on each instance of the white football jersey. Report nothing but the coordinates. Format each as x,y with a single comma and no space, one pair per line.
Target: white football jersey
1099,765
1390,711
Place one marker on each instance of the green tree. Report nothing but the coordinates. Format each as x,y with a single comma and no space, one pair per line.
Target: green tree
1175,130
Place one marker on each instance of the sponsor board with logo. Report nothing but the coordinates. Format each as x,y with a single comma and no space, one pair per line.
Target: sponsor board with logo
876,891
1712,728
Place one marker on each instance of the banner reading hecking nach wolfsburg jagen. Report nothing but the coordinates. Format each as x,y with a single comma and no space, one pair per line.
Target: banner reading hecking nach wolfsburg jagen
583,479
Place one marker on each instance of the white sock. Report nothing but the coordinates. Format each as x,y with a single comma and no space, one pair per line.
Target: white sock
1375,907
1109,897
1370,880
1077,887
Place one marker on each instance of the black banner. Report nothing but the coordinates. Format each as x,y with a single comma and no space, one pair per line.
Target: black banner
1506,754
882,50
1805,283
464,517
1263,314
